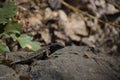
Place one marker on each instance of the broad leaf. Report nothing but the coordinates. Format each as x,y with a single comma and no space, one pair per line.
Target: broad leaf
3,47
26,41
14,37
13,27
7,11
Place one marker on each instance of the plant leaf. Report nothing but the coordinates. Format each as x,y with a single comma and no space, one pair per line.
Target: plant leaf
14,37
7,11
26,41
13,27
3,47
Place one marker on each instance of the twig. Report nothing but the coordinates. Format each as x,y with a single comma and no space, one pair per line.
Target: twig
83,12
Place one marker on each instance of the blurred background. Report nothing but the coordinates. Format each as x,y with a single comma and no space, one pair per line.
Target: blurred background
93,23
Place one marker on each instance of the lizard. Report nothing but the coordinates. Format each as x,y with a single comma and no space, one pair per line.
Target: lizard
39,54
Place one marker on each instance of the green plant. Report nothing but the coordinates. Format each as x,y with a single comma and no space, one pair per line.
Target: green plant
26,41
11,28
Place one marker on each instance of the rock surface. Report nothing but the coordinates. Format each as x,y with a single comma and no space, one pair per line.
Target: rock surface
74,63
7,73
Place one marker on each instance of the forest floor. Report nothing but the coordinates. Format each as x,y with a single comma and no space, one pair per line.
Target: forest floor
88,29
93,23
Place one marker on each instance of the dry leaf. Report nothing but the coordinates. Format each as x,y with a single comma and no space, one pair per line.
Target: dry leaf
35,20
60,35
75,27
29,46
45,34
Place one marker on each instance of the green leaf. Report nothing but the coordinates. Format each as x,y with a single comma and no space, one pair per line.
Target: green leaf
3,47
34,45
13,27
14,37
26,41
7,11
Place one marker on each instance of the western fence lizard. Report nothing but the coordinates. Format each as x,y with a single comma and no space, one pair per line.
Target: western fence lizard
39,54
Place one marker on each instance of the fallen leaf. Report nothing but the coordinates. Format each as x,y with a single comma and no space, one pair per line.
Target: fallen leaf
45,35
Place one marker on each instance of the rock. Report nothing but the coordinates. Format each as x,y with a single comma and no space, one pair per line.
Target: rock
116,3
49,14
60,35
75,27
55,4
23,71
90,41
62,16
45,35
7,73
74,63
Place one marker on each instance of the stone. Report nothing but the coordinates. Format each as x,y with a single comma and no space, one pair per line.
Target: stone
7,73
74,63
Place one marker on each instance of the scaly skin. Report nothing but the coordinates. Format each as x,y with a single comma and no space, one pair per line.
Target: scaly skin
37,55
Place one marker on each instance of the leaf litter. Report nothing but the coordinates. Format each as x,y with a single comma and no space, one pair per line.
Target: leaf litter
47,25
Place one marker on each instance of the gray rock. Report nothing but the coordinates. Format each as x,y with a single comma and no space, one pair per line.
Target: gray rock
22,69
55,3
7,73
74,63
